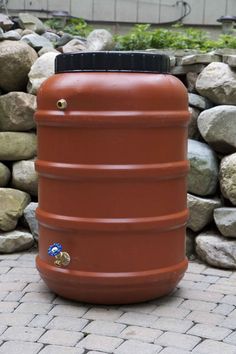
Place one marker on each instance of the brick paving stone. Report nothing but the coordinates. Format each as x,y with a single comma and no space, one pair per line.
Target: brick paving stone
61,337
233,314
143,308
18,347
189,284
100,343
178,340
224,309
6,307
196,267
4,270
95,352
35,308
231,339
209,331
38,297
13,286
199,295
217,272
10,256
198,305
166,311
21,333
141,333
172,324
23,270
209,346
135,347
170,301
2,328
174,351
200,277
62,301
139,319
15,319
14,277
14,296
39,287
17,264
223,289
69,310
40,321
105,328
229,322
106,314
205,317
67,323
3,294
229,299
57,349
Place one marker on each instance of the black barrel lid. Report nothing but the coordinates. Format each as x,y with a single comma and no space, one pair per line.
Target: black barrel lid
112,61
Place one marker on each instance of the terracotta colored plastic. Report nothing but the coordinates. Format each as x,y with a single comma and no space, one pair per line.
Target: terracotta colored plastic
112,184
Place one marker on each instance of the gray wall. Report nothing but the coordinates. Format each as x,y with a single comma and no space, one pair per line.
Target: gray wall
204,12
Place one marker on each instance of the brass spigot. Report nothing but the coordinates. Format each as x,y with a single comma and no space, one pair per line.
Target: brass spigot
62,259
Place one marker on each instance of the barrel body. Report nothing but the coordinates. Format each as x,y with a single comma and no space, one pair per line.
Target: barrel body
112,184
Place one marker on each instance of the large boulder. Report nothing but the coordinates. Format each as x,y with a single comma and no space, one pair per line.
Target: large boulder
227,177
15,241
201,211
17,146
5,175
198,101
75,45
13,202
29,215
100,39
16,59
203,175
12,36
42,69
225,219
218,83
216,250
218,128
24,177
31,22
17,111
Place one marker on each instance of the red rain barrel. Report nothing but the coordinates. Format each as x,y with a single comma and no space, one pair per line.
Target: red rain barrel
112,165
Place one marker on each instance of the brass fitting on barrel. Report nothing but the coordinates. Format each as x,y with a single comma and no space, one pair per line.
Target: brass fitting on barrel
62,259
62,104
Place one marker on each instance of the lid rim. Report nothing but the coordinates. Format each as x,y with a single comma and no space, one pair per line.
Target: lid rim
112,61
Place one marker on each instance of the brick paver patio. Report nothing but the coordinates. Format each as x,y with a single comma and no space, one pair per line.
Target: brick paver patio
199,317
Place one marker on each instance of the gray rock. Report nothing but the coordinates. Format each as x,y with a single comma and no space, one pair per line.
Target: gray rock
230,60
5,175
218,128
191,79
12,35
13,202
190,243
52,37
17,146
225,219
100,39
5,22
65,38
17,111
42,69
24,177
201,211
15,241
45,50
199,101
26,32
16,59
203,175
29,214
19,30
193,132
227,177
1,34
218,83
216,250
36,41
75,45
200,59
184,69
28,21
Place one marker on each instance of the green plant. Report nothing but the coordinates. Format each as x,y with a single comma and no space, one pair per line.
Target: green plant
74,26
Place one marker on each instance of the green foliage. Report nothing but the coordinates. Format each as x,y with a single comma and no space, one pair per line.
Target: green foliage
141,37
74,26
